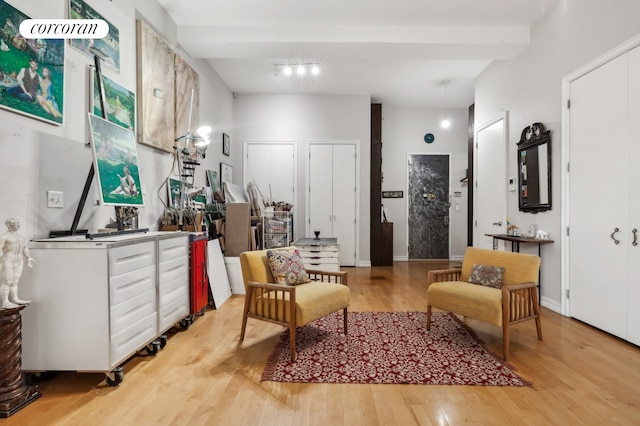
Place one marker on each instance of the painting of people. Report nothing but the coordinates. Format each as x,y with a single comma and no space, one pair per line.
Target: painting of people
121,102
116,161
109,46
31,70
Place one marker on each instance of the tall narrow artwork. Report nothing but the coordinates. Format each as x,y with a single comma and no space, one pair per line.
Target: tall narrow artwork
156,107
109,45
187,82
116,161
31,70
121,102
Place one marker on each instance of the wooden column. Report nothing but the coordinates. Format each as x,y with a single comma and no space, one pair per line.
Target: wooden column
15,394
375,195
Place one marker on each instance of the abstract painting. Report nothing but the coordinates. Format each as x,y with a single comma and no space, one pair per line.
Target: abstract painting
116,163
156,106
187,83
37,63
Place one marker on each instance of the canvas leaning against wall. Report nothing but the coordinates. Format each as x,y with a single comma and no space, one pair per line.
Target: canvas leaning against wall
116,162
31,70
109,45
121,102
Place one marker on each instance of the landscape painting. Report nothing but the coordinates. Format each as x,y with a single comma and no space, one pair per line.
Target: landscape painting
121,102
109,45
116,161
37,63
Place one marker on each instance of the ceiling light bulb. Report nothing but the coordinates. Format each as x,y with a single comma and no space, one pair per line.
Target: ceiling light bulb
445,123
301,70
315,69
287,70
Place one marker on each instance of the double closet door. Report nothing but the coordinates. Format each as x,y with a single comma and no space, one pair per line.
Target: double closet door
604,197
332,195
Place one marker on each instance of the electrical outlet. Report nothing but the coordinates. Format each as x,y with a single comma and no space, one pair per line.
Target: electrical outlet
55,199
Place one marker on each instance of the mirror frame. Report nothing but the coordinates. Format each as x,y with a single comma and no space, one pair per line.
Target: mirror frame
534,136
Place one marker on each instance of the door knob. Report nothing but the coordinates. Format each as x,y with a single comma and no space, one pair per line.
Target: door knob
499,223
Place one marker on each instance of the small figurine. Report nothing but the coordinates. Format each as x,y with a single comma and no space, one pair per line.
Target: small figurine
541,235
14,251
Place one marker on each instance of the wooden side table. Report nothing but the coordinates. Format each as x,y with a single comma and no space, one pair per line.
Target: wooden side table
15,393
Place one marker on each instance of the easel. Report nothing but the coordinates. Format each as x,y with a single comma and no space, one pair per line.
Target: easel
97,57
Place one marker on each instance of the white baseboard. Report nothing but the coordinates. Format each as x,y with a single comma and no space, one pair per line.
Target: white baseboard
551,304
400,258
364,264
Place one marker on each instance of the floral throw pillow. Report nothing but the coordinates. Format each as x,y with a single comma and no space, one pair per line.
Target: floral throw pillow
287,267
490,276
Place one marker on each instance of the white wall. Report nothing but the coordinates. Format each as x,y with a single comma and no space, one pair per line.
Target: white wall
19,135
304,118
403,131
529,87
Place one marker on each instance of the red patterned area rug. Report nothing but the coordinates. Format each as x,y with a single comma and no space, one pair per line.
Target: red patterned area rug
389,347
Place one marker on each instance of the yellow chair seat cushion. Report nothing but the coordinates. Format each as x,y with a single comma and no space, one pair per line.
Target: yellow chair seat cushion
314,300
470,300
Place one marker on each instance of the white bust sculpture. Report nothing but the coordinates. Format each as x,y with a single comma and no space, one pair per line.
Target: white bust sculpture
14,251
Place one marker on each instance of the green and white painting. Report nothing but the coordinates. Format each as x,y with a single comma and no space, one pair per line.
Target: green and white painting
109,45
116,161
31,70
121,102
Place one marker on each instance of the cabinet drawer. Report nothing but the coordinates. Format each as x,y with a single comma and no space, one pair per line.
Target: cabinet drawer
172,248
134,337
171,313
318,249
320,255
131,284
173,269
132,311
331,267
131,257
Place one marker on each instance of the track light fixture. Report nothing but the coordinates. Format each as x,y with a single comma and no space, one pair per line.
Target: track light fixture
298,70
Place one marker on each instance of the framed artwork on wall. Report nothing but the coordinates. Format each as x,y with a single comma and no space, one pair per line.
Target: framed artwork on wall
116,163
121,102
226,174
109,45
156,106
38,63
226,144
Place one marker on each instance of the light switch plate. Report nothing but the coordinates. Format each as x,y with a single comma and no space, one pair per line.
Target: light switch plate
55,199
512,183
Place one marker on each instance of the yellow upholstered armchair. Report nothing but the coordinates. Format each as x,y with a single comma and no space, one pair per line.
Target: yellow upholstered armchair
513,300
290,306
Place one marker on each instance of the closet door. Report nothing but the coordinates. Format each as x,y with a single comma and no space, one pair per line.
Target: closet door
344,201
633,295
271,166
599,197
320,193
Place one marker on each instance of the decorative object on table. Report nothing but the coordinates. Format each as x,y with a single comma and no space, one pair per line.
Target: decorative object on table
121,102
317,234
156,95
542,235
532,230
226,144
512,229
392,347
15,254
109,45
38,63
116,163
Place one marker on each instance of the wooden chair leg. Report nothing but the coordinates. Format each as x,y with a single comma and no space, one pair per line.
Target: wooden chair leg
428,317
344,317
539,327
244,326
505,341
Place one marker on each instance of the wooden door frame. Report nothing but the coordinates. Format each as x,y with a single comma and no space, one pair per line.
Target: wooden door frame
307,148
448,154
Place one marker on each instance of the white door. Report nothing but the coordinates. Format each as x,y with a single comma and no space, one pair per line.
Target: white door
598,197
332,192
271,166
633,313
489,196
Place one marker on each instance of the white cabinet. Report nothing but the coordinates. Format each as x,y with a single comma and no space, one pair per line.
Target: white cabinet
321,254
332,195
94,303
604,211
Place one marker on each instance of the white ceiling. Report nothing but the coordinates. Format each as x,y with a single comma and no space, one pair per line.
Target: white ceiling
398,52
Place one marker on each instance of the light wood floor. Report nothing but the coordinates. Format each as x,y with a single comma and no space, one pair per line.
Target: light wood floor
202,377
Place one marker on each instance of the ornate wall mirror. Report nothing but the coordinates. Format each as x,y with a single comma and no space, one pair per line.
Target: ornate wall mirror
534,166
